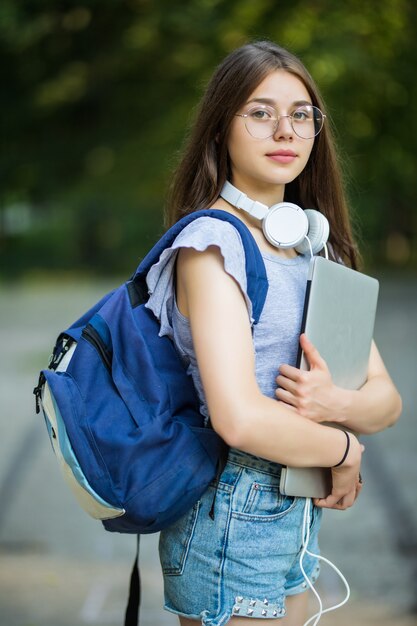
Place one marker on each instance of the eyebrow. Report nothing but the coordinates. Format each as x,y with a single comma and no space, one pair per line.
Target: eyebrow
272,102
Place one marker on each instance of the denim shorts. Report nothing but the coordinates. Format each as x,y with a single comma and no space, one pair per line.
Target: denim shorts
245,561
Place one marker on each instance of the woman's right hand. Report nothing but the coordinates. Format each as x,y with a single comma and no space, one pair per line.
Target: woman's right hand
346,479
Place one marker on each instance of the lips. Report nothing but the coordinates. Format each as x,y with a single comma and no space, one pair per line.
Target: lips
282,156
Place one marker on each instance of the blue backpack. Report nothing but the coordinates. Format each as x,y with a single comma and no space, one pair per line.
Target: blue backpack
121,411
123,415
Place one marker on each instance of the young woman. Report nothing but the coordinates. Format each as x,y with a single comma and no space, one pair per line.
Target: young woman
261,126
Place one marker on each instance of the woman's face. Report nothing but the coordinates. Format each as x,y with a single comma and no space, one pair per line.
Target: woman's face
267,165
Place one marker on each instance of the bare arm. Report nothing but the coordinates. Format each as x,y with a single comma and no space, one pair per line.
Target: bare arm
372,408
240,413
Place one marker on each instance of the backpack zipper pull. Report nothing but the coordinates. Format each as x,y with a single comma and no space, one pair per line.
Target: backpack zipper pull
38,392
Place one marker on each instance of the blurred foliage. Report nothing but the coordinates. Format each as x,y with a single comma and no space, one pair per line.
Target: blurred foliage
96,98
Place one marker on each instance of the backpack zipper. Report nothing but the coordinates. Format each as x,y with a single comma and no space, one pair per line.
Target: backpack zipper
91,335
63,344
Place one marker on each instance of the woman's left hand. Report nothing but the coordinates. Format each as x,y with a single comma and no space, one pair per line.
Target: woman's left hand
311,393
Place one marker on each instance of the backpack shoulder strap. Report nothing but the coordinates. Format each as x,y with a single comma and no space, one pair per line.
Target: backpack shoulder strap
257,283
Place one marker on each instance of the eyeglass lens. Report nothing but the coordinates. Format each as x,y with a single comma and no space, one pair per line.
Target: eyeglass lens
262,121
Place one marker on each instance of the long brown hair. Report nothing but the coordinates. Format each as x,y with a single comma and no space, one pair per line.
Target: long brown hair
204,166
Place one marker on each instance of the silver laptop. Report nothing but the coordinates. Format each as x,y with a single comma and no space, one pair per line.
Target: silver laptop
339,317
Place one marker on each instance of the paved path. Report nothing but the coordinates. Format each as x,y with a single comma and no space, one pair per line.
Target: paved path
59,568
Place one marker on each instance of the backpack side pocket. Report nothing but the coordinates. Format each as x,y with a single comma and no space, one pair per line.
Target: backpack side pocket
73,474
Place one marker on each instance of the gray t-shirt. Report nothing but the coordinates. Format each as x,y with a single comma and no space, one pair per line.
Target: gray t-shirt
277,333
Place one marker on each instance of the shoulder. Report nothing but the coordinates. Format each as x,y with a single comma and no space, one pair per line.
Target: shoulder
209,238
210,254
208,231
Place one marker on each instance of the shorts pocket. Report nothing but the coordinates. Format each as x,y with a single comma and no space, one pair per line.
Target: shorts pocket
174,543
265,502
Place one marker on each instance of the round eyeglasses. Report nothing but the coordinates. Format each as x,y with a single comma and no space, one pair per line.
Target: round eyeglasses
262,121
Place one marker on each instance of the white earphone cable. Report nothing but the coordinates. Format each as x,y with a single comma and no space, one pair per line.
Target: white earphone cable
304,551
310,246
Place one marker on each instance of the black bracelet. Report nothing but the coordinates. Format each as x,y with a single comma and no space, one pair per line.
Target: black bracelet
346,451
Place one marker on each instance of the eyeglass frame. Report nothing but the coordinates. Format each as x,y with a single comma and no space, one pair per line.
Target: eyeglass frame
279,118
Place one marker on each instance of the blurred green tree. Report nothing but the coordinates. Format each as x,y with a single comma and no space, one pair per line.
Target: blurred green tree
96,97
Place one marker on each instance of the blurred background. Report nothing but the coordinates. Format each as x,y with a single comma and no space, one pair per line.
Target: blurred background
96,97
95,101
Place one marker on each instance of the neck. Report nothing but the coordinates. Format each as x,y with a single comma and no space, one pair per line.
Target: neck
262,192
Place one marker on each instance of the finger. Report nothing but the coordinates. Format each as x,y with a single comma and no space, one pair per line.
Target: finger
338,499
289,407
323,504
329,503
337,506
312,354
287,383
293,373
347,501
286,396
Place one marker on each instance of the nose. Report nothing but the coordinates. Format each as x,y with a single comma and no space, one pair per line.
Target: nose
284,128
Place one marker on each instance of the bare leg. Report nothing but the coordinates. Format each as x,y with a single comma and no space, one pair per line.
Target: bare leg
296,614
297,607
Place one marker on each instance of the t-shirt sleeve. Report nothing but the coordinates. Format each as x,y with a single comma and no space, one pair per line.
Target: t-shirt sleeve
199,234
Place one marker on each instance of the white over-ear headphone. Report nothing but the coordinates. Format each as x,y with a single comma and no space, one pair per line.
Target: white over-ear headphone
285,225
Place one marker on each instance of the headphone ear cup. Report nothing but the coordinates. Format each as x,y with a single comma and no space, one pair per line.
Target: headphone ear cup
318,232
285,225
